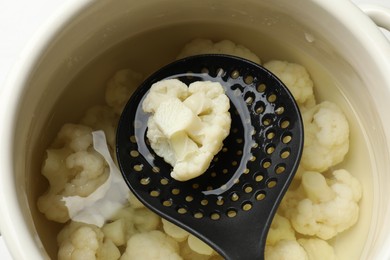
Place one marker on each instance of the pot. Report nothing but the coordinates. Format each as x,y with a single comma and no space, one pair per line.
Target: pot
342,48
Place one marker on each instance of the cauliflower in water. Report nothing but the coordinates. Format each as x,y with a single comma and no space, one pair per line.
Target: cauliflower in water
174,231
285,250
73,168
188,124
206,46
309,249
188,254
326,137
199,246
297,80
151,245
323,207
280,230
102,118
317,249
120,87
129,221
83,241
108,198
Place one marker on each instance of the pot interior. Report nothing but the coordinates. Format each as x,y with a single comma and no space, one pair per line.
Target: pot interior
105,37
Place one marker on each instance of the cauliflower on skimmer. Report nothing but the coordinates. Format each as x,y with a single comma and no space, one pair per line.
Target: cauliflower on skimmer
188,124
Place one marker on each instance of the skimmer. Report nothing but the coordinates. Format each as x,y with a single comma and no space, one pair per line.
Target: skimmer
230,206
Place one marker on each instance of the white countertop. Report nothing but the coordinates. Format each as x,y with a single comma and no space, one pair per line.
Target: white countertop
19,19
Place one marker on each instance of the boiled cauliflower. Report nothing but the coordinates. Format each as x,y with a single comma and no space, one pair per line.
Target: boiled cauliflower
199,246
151,245
102,118
188,254
280,230
107,199
78,241
317,249
180,235
134,202
120,87
326,137
281,239
174,231
188,124
73,168
323,207
297,80
205,46
129,221
285,250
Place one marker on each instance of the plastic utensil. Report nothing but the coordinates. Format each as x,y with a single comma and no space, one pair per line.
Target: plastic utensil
230,206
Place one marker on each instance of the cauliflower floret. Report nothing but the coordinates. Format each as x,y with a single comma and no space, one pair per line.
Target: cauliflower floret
205,46
323,207
188,254
180,235
285,250
317,249
72,168
129,221
121,87
297,80
280,230
326,137
188,125
79,241
174,231
134,202
199,246
151,245
102,118
108,198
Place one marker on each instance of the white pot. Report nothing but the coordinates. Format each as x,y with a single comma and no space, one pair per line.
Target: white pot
330,37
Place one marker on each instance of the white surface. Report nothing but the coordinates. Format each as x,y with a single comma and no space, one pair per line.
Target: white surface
19,19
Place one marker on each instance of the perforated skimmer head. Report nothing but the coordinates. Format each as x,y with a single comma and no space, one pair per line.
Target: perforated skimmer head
230,206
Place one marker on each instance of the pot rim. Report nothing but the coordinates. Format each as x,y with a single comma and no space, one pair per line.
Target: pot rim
377,46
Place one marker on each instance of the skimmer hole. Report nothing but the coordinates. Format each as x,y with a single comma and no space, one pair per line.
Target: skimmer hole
261,88
234,197
235,74
167,203
198,215
249,79
281,168
154,193
215,216
134,153
246,206
231,213
272,98
271,183
260,195
286,138
285,153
